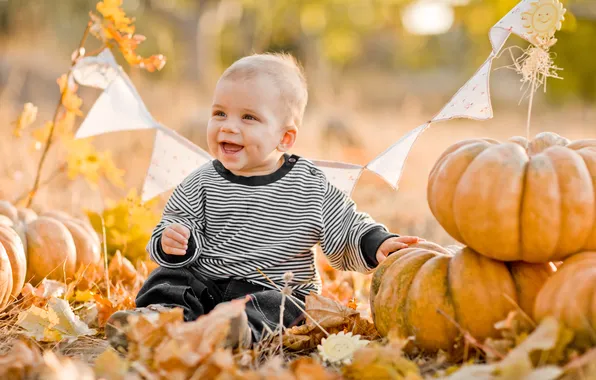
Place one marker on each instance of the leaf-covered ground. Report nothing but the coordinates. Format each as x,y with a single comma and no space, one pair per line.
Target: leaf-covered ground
56,331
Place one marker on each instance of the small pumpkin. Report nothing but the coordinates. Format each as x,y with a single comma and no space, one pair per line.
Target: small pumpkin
15,251
518,200
26,215
85,238
421,290
51,251
6,283
570,296
8,210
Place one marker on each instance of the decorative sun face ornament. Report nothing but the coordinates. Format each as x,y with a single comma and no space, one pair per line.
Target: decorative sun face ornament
340,348
543,19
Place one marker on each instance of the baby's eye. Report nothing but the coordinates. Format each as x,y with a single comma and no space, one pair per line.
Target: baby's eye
249,117
219,113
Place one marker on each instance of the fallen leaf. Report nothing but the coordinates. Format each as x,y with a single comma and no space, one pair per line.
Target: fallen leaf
376,361
307,368
56,323
146,333
543,338
20,362
518,363
190,343
69,325
58,367
25,119
327,312
110,365
38,323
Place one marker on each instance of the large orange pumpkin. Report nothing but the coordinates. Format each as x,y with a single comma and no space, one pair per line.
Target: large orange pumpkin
570,296
421,290
532,201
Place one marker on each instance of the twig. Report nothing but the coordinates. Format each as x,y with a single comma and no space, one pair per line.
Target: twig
105,254
530,109
52,176
295,303
469,338
520,310
55,118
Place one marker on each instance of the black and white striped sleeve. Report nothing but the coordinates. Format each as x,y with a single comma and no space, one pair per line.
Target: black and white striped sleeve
350,239
185,207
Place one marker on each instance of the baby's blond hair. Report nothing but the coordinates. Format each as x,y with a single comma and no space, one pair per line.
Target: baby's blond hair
287,74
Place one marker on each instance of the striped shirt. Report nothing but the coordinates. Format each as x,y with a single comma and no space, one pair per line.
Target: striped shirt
271,223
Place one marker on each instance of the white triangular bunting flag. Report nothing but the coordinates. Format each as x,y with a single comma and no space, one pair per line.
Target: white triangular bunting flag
173,159
118,108
96,71
389,165
341,175
527,17
510,23
472,100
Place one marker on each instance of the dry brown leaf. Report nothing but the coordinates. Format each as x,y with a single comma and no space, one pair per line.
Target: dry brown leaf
274,369
61,367
188,344
307,368
376,361
327,312
69,325
221,365
122,270
145,334
110,365
21,361
518,363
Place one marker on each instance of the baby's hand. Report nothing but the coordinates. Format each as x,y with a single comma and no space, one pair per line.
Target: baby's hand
174,240
395,244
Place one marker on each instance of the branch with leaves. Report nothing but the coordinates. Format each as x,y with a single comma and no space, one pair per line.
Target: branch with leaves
114,30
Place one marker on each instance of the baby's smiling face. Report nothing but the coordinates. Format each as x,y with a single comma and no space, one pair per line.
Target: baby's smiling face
248,129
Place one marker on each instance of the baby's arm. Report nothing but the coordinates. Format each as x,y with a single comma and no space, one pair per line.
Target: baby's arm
182,219
350,239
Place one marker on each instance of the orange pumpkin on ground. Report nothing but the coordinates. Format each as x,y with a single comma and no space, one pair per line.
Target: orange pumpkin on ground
51,251
570,296
518,200
15,251
421,290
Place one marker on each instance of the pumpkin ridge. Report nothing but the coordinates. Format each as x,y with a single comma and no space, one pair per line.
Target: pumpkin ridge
455,191
520,226
589,160
565,216
410,264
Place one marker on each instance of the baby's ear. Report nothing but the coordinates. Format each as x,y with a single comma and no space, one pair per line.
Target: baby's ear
288,139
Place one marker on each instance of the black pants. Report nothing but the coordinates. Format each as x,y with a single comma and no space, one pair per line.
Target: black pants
197,295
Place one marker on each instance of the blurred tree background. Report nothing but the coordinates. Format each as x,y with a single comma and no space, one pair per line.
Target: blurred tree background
376,69
332,38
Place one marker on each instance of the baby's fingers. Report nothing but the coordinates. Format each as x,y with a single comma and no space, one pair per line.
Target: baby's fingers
174,251
169,242
182,230
173,234
409,239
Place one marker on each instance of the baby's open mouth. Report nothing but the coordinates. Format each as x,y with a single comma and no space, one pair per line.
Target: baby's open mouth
230,148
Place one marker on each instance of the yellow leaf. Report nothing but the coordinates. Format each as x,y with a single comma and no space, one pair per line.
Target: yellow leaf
83,296
111,10
25,119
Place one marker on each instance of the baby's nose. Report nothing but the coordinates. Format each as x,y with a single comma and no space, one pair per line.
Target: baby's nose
229,127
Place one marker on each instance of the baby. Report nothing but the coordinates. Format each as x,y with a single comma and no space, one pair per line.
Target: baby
254,208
